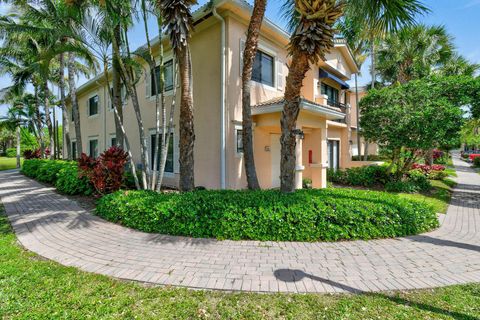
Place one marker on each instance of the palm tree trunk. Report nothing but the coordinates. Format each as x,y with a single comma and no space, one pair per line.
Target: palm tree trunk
167,133
65,116
249,54
18,145
132,90
298,68
187,133
74,103
39,121
48,120
357,102
122,128
152,67
117,86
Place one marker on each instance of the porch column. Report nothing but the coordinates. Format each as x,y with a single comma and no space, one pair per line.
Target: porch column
324,154
299,164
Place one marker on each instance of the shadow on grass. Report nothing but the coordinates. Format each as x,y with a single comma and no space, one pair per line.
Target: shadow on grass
290,275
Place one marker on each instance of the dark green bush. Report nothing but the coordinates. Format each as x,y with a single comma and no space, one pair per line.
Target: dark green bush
62,174
30,167
367,176
419,180
476,162
68,181
48,170
306,215
371,157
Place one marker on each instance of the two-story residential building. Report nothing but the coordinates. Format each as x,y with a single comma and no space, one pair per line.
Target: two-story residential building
217,47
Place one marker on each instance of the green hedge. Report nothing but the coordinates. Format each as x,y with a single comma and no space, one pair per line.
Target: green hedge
307,215
62,174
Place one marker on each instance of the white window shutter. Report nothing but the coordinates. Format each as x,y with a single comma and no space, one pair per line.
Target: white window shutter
280,75
99,105
176,154
242,49
88,107
147,83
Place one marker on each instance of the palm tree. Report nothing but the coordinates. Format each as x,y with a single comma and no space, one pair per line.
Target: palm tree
413,53
312,23
311,39
179,23
251,46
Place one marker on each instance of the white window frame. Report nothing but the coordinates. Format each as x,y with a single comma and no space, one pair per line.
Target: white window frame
93,138
110,137
98,106
176,164
271,52
168,93
110,102
236,128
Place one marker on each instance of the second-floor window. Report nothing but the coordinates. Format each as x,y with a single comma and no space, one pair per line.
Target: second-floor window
331,92
263,68
168,78
93,105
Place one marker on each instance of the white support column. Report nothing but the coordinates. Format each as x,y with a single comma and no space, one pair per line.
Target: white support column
299,164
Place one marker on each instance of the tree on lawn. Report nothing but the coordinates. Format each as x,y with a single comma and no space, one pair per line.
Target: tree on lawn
407,119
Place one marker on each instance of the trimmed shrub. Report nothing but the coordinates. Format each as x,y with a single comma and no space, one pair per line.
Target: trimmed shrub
48,170
306,215
476,162
367,176
30,167
69,182
11,152
62,174
371,157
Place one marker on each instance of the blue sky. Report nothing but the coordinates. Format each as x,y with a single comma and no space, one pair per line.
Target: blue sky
460,17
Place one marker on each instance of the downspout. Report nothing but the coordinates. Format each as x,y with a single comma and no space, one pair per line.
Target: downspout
222,103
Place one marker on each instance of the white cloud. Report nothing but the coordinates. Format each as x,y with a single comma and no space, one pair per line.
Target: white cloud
471,3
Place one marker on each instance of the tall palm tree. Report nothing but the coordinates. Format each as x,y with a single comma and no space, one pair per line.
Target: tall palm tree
179,21
413,53
311,39
251,46
312,23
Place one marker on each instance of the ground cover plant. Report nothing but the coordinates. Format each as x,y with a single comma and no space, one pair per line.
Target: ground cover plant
306,215
32,288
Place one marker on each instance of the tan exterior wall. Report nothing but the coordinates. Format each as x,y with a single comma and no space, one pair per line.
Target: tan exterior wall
206,58
205,47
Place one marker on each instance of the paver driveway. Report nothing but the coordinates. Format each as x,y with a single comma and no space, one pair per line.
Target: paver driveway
57,228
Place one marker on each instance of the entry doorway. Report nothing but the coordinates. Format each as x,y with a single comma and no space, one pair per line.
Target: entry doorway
333,154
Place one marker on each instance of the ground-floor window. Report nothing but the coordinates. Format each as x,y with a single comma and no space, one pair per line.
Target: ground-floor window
93,148
74,149
334,154
169,163
113,141
239,140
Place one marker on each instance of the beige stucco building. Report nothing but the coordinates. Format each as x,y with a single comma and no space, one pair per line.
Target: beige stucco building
326,119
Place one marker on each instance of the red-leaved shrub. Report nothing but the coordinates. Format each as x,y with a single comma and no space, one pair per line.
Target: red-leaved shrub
32,154
106,172
426,169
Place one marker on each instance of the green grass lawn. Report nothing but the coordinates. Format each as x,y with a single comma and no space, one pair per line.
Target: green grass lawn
439,197
8,163
33,288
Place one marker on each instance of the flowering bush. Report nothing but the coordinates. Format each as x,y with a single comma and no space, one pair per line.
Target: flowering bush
426,169
106,172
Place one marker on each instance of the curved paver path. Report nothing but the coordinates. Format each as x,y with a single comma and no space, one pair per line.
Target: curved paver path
57,228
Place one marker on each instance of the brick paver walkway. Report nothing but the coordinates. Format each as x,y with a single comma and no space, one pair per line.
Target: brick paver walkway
57,228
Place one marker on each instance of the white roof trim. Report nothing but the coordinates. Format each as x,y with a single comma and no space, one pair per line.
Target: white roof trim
304,105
